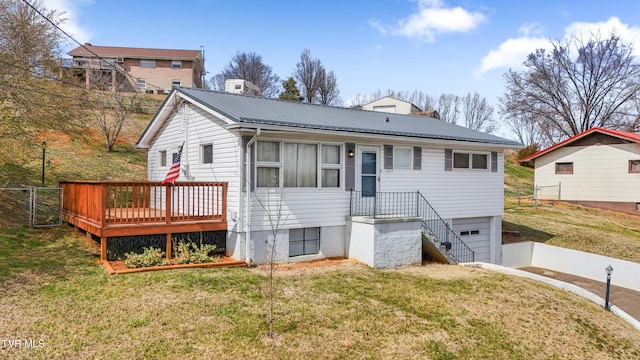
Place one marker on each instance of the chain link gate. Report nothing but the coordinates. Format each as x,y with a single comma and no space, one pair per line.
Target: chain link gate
46,207
37,207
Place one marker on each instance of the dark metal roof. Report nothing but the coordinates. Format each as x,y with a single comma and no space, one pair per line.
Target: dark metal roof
244,109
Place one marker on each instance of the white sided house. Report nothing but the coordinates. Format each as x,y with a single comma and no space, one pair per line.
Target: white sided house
335,182
391,105
598,167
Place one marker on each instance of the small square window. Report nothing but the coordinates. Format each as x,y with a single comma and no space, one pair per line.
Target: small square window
564,168
207,154
162,157
176,64
176,82
401,158
634,166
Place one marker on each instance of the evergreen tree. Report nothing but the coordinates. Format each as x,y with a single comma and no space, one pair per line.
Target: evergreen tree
290,91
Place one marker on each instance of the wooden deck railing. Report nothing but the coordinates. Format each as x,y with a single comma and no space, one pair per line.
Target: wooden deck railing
137,202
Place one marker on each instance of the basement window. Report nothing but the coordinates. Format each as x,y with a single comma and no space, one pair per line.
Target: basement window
304,241
469,232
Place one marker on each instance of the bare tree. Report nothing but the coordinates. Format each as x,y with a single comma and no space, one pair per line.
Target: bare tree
250,67
216,82
328,92
478,113
526,129
449,108
577,85
110,107
32,99
308,74
28,42
273,206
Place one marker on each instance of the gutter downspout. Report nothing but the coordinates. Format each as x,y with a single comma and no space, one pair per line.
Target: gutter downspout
247,210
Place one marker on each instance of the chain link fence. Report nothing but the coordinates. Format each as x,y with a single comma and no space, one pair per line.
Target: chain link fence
37,207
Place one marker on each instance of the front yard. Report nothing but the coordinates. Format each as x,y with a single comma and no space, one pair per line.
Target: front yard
55,293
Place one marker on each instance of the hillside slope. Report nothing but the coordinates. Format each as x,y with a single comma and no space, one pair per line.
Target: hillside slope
80,156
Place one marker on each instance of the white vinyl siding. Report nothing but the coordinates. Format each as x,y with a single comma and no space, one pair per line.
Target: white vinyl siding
600,173
453,194
226,147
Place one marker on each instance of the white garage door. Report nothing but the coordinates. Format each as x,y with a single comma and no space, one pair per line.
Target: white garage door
476,233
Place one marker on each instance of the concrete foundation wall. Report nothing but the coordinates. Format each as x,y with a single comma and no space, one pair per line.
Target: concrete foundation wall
579,263
385,243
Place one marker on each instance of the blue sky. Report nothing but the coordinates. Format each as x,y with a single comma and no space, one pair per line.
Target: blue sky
435,46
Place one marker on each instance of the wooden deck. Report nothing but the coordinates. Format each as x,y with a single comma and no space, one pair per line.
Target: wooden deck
110,208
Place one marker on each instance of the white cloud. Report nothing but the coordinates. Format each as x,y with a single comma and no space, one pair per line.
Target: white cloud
432,18
512,52
628,34
71,26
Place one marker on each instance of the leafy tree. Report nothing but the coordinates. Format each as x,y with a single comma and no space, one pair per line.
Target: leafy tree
250,67
290,91
577,85
478,113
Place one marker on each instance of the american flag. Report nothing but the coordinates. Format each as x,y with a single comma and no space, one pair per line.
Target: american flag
174,171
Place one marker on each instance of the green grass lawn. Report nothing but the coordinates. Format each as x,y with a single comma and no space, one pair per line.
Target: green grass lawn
53,289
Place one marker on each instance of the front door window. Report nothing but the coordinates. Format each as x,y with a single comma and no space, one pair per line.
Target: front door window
369,173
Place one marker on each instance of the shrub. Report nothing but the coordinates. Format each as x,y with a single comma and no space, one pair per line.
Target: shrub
190,253
149,257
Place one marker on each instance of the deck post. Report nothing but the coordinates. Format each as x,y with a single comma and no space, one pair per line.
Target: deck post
168,249
167,203
103,248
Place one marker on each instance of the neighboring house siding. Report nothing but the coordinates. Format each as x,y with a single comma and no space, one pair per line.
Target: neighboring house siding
162,74
391,105
454,194
600,173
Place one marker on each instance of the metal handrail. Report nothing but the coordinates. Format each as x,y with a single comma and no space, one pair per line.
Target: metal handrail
443,232
411,204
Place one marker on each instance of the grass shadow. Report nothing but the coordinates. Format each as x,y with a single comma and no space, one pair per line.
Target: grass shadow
514,233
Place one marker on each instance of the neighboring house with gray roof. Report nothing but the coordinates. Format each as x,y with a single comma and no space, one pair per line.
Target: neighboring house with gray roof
321,164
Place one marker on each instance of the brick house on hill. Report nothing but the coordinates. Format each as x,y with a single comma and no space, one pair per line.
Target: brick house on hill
153,71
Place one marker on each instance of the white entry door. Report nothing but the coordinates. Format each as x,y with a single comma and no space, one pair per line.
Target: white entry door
368,167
